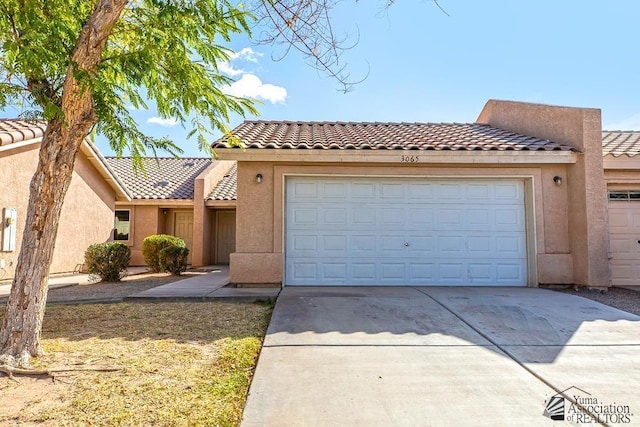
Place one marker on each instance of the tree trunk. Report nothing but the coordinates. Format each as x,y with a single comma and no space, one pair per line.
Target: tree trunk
20,333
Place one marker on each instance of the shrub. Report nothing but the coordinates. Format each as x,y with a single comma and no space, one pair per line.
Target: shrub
152,245
174,259
108,261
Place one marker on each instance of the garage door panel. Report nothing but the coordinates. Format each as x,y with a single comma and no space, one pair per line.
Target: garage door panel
449,191
420,216
420,192
392,244
363,271
304,190
334,190
421,272
334,216
422,246
360,190
624,233
624,247
404,231
511,246
304,243
363,244
334,271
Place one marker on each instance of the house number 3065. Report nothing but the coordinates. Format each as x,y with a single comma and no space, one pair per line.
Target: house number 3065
409,159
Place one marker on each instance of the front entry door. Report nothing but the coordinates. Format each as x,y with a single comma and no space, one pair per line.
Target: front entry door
225,235
183,228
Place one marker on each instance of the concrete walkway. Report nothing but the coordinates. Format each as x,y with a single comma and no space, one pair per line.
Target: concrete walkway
69,280
442,357
206,287
209,285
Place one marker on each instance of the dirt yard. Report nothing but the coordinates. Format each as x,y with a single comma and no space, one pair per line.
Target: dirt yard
178,364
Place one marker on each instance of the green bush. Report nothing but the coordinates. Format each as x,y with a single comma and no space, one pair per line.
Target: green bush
174,259
108,261
152,245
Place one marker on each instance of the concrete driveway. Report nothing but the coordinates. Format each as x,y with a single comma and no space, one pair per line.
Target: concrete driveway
444,356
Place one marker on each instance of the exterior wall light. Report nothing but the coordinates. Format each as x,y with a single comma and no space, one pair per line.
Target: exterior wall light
557,179
259,178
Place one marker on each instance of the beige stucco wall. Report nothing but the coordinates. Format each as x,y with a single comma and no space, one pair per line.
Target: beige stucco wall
204,218
259,245
87,213
152,217
581,129
144,221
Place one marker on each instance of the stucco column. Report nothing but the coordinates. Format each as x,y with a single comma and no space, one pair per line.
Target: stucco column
579,128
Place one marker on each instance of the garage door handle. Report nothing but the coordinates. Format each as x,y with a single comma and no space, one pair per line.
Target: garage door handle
407,243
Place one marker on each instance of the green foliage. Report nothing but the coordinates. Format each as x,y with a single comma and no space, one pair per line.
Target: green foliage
173,259
164,51
108,261
154,244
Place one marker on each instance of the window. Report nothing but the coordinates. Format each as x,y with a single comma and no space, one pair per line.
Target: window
121,227
625,196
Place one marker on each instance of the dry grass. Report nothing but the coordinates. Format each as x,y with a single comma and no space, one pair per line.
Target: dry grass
183,364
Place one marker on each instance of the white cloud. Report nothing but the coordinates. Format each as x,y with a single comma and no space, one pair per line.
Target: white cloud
250,86
246,54
228,69
630,123
162,122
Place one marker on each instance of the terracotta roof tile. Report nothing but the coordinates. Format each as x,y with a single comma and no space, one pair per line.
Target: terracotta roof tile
619,142
16,130
226,188
384,136
165,178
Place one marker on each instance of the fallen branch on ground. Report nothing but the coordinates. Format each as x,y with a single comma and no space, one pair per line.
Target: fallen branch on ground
11,371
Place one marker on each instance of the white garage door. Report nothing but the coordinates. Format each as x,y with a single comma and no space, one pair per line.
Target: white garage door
396,231
624,237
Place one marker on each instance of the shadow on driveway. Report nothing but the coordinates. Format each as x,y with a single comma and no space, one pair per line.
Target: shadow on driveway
438,356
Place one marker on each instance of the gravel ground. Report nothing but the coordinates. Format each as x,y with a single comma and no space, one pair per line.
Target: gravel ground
622,299
112,291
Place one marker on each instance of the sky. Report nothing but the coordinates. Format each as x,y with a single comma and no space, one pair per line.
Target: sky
423,65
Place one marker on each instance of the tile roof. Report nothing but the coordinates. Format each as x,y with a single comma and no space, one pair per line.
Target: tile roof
16,130
618,143
226,188
163,178
384,136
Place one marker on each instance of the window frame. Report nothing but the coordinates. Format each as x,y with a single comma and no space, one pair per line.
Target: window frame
115,229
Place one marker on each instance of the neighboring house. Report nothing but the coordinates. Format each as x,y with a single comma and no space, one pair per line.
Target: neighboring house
515,199
87,213
192,198
622,173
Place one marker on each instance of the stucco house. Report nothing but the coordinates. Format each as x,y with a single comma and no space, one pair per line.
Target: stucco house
192,198
87,213
517,198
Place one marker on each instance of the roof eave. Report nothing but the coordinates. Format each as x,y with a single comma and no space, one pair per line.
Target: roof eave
20,144
220,203
99,162
397,156
612,161
168,203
